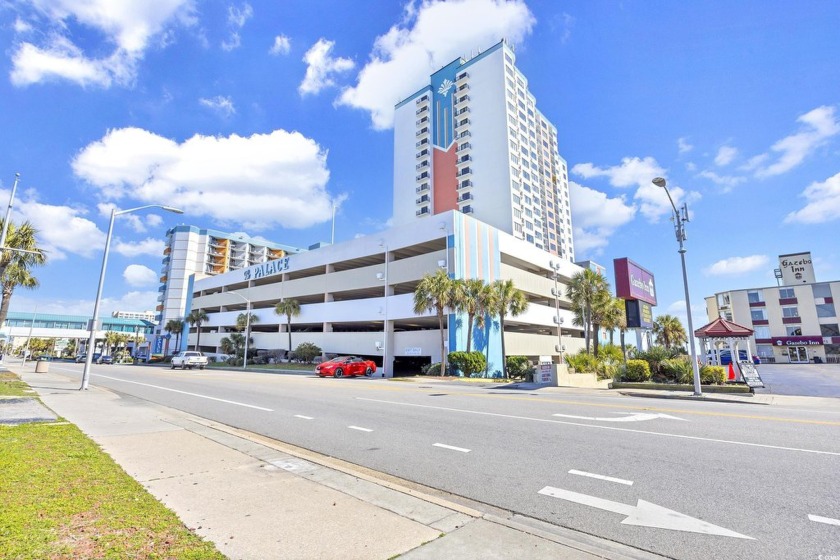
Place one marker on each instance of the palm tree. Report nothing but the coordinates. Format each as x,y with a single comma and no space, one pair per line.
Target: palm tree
176,327
486,303
195,319
583,290
290,308
15,275
434,293
509,301
244,322
600,314
669,331
467,299
22,237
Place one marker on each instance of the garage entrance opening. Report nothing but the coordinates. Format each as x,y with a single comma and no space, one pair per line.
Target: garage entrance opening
405,366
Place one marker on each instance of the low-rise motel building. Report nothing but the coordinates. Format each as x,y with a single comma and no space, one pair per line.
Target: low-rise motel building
357,297
794,322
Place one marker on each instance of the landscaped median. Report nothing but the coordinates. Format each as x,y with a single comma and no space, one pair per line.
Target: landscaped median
63,497
682,387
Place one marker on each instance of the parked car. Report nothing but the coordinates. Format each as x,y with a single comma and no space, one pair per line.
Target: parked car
98,358
346,365
189,359
726,357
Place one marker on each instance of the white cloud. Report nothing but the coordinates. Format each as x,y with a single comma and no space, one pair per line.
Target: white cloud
61,229
818,125
237,17
639,172
137,275
22,26
131,301
276,179
321,67
151,246
683,146
222,105
282,45
823,203
737,265
728,182
596,217
126,27
725,155
431,36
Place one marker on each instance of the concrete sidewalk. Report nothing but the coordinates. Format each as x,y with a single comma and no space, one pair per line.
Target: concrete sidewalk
257,498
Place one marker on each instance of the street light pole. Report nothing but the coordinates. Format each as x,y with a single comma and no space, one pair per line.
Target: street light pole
9,212
92,340
679,229
247,325
385,321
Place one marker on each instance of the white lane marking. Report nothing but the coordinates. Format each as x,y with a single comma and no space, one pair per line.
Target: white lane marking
453,448
645,514
360,429
826,520
304,417
597,427
637,417
602,477
186,393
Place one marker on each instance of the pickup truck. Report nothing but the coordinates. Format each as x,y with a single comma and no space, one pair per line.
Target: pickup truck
189,359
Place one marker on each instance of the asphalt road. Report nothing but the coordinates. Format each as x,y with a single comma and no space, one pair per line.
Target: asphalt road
750,481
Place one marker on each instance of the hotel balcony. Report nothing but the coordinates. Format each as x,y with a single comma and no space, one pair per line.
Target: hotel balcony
422,188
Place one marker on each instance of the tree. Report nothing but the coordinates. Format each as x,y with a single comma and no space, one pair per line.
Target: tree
306,352
22,237
509,301
112,339
434,293
16,274
585,290
195,319
601,311
467,299
290,308
486,303
669,331
244,322
176,327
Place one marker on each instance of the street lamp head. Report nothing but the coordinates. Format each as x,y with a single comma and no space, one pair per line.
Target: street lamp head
172,209
659,182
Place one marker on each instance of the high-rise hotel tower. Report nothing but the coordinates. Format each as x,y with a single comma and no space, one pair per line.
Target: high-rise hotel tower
473,140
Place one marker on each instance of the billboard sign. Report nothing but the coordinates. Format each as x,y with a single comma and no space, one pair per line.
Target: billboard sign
639,314
633,282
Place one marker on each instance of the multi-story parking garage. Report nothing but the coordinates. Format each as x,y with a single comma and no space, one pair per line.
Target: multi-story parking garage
357,297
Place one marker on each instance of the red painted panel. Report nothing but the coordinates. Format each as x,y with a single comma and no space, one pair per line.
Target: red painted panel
445,181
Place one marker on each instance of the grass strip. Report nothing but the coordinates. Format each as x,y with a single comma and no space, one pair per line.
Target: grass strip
63,497
12,386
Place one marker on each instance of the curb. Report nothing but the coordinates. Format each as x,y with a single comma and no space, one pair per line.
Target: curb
702,398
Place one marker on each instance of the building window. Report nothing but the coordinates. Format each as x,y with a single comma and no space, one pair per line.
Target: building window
723,300
826,310
791,311
762,332
754,297
793,331
821,290
764,350
786,293
829,329
758,314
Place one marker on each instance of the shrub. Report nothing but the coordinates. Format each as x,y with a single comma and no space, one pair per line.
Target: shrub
433,369
519,367
468,363
675,370
607,370
306,352
711,375
583,362
610,353
637,370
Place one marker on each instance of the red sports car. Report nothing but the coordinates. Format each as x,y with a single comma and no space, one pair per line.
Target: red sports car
346,365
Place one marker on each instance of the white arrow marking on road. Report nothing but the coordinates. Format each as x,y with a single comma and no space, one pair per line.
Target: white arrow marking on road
645,514
304,417
452,447
826,520
638,417
601,477
360,429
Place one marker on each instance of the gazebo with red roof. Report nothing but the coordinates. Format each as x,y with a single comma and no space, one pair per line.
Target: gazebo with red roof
722,331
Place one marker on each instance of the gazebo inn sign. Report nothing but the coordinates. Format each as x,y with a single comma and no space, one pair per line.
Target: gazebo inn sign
798,341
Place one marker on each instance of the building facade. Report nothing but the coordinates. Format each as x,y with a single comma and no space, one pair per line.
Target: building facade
795,322
473,140
194,252
145,315
357,297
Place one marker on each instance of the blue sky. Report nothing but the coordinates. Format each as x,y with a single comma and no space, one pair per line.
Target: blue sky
257,116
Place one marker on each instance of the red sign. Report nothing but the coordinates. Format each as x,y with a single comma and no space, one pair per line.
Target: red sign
633,282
